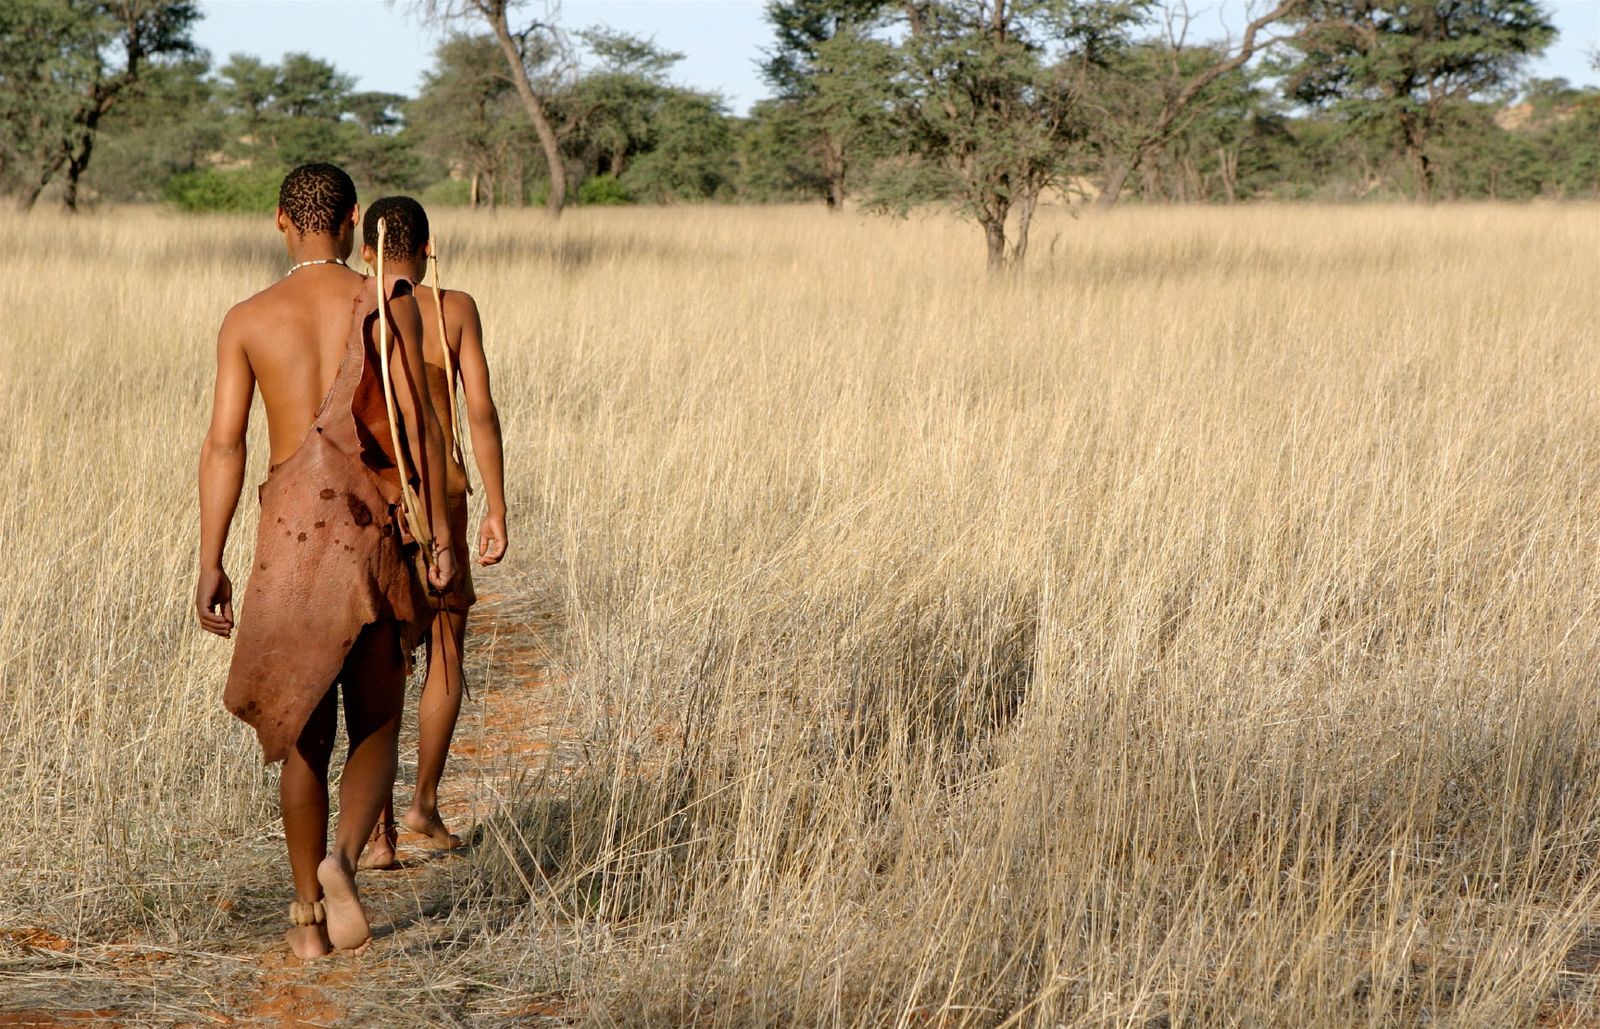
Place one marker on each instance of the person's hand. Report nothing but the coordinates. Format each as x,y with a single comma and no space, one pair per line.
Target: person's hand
443,571
213,602
492,539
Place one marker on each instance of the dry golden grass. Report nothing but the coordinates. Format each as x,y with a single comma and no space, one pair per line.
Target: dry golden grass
1200,630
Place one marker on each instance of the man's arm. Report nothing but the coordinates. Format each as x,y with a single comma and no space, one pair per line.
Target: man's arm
483,421
222,457
423,436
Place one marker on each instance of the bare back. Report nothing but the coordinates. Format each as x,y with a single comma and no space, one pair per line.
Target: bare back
454,315
294,334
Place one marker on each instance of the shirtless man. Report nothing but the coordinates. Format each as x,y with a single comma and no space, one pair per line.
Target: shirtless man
406,252
333,595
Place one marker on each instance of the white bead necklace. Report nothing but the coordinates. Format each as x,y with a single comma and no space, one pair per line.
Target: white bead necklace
324,260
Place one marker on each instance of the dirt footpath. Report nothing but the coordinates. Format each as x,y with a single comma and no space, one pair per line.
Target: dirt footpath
513,729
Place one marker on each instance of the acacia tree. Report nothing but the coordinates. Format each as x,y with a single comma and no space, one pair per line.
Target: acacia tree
537,45
43,70
1399,68
245,88
829,72
690,150
774,158
989,101
170,126
613,108
1161,88
1127,102
67,62
287,113
306,114
458,111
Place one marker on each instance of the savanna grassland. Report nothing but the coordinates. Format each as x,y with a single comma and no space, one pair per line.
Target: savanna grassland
1202,628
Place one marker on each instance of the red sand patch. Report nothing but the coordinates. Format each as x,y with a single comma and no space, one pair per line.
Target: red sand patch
1565,1016
41,939
292,1004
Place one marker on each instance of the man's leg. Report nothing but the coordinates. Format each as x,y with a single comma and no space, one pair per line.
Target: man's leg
380,854
373,684
437,712
303,799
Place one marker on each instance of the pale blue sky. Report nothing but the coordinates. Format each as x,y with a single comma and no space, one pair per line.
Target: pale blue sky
385,47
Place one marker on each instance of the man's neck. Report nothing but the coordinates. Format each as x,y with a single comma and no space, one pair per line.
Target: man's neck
412,270
316,248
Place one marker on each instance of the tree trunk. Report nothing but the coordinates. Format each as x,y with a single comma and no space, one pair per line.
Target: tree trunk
992,211
1228,169
833,165
1185,187
994,235
535,108
30,193
1422,171
836,193
1116,178
1152,188
29,196
1415,138
516,174
76,164
473,203
1019,248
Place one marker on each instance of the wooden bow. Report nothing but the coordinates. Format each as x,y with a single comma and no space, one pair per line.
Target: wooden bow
457,452
408,497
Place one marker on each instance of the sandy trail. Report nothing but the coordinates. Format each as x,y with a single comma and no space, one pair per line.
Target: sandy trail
511,728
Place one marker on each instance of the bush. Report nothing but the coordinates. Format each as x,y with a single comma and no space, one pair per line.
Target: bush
448,193
210,189
603,190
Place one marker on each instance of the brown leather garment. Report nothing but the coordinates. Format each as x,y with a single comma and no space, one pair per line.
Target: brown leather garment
331,554
460,596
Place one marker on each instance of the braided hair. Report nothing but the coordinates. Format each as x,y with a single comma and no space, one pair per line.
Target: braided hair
317,197
405,227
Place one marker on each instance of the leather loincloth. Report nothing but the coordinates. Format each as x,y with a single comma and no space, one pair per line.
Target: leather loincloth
331,557
460,595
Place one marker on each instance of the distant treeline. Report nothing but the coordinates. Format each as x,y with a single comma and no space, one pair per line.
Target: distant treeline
989,105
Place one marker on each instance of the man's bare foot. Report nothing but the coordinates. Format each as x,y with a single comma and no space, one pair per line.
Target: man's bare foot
347,922
432,827
379,854
308,942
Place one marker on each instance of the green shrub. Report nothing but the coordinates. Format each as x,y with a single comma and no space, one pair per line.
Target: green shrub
448,193
603,190
210,189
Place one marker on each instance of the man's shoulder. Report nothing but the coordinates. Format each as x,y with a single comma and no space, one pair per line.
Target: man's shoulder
459,302
243,316
266,299
269,306
286,292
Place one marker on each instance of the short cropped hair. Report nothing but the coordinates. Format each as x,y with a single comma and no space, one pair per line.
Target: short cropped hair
405,227
317,197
